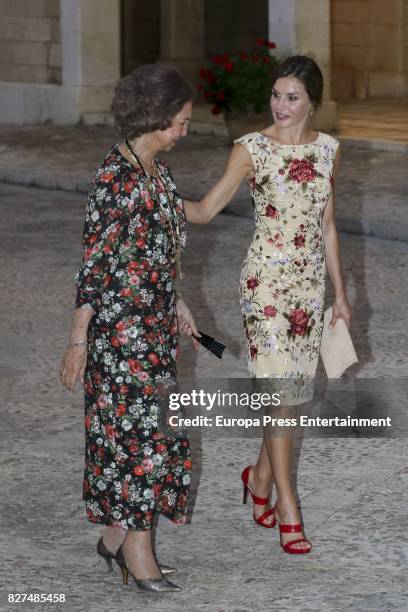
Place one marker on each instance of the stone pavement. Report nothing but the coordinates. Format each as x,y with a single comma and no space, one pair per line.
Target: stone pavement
353,491
371,192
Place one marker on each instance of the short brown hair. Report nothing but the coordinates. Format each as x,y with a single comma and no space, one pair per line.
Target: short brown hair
148,99
307,71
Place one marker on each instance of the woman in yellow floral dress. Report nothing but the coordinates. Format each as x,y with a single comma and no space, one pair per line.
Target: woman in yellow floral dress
290,171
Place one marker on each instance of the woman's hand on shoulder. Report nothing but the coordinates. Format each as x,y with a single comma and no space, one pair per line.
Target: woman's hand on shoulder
186,323
239,165
73,364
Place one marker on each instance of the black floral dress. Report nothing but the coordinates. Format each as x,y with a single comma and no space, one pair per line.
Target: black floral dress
132,467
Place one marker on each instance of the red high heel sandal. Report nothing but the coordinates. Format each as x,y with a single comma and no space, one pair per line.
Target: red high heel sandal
262,501
289,546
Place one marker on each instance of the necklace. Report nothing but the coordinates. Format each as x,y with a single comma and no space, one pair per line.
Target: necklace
169,214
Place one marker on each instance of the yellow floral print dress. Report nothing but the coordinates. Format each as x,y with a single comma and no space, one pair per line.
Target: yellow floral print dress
283,275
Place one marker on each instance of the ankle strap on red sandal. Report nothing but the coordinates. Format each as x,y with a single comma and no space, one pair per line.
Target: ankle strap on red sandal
290,528
262,501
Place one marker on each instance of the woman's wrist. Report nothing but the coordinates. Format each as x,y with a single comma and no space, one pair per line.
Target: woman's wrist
78,336
74,343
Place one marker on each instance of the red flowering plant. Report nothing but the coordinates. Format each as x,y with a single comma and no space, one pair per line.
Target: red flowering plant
239,81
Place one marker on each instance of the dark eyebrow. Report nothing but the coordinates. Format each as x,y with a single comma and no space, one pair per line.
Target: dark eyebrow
290,93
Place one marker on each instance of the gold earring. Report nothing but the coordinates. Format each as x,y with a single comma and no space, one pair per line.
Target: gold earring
311,111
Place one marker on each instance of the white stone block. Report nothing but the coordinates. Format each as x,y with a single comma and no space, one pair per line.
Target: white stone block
23,74
90,42
27,8
30,104
25,29
23,53
96,99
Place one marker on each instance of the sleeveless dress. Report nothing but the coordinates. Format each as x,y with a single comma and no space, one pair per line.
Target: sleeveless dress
133,468
283,276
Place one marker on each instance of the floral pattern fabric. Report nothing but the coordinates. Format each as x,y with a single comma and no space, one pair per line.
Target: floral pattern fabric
133,467
283,276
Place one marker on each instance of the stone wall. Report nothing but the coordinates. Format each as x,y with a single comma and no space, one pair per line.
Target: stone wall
368,46
30,41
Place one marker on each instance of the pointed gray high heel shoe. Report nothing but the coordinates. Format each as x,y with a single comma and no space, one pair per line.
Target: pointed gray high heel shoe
105,553
108,556
166,569
158,585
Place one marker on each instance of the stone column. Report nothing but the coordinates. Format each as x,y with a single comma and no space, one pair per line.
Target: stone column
182,36
300,27
90,36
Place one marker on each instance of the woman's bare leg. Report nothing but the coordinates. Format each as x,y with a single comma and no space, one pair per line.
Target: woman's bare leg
261,482
280,450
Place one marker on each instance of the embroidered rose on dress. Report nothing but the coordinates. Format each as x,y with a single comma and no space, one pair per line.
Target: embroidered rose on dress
270,311
298,320
271,211
302,170
252,283
299,240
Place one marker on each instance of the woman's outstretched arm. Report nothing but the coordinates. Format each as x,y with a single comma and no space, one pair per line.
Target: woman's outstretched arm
238,166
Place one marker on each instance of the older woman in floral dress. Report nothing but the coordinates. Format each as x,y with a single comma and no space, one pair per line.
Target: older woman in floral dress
123,343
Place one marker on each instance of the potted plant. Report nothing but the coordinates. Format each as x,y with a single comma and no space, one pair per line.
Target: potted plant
239,85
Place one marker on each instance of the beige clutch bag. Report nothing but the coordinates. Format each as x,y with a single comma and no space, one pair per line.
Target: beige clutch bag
336,348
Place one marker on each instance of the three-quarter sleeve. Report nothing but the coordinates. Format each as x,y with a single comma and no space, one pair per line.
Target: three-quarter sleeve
106,223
